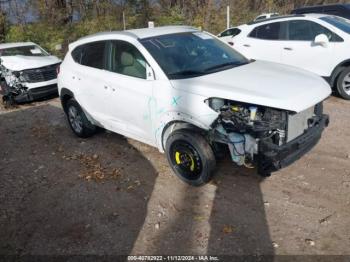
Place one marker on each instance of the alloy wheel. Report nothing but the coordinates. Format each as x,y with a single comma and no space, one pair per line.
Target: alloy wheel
75,119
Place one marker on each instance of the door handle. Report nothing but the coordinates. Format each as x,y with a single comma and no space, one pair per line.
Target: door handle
246,45
288,48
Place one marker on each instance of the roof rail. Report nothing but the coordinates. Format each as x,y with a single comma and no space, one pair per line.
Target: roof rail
274,18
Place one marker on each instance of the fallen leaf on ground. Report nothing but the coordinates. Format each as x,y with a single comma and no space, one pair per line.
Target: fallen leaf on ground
227,229
310,242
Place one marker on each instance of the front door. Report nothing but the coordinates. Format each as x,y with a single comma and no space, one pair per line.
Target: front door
300,50
130,91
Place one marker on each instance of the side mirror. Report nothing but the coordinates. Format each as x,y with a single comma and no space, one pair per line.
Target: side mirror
322,40
149,73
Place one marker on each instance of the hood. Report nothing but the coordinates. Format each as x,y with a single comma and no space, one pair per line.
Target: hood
261,83
19,62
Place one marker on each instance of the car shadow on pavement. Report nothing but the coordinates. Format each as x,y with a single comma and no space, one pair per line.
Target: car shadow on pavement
236,218
63,195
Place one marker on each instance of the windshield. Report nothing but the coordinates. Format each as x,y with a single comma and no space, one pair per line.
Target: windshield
29,50
339,22
192,54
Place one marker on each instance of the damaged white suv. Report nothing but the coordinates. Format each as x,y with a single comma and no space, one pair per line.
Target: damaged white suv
192,96
27,72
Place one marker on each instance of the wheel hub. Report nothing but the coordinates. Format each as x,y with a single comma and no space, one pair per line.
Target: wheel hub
75,119
186,160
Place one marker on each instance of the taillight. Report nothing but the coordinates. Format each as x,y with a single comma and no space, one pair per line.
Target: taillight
58,69
231,43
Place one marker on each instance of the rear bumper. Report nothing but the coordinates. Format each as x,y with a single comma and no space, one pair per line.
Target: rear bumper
272,157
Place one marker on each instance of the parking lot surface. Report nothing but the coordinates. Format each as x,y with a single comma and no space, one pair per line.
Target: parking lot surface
60,194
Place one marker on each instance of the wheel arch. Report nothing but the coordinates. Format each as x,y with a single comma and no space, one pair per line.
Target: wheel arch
176,125
65,95
337,71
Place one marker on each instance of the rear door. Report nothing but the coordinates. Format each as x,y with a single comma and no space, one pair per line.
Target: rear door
299,49
263,42
88,75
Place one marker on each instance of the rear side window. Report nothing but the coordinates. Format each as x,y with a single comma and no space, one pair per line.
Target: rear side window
270,31
231,32
226,33
126,59
92,54
236,32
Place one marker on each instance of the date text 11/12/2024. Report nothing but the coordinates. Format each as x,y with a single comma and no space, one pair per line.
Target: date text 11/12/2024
173,258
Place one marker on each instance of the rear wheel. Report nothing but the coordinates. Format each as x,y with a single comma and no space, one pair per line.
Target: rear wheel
190,156
78,121
343,84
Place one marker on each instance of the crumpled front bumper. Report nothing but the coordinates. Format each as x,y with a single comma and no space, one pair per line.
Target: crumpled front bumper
31,94
272,157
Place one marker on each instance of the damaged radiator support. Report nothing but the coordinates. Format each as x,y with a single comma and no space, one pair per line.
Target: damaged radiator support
241,146
243,126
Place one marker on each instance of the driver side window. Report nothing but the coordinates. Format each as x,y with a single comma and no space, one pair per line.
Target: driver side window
302,30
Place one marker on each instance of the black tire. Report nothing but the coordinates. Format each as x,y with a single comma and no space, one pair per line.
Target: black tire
343,84
190,156
82,127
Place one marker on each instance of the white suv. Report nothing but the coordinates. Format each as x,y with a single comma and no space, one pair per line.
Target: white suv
316,42
192,96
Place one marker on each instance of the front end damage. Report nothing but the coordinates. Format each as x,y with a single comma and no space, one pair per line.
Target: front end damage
27,85
266,138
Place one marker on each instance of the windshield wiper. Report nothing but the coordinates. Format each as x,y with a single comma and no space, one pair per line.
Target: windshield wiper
225,65
185,73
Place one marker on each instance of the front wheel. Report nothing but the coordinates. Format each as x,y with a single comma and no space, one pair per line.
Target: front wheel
343,84
190,156
78,121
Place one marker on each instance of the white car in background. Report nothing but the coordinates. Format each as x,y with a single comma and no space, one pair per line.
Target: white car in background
27,72
192,96
315,42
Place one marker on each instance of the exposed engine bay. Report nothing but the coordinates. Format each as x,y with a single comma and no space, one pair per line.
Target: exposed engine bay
255,133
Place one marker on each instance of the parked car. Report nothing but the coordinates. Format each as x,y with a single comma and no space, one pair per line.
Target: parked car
191,95
266,16
314,42
27,72
342,10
